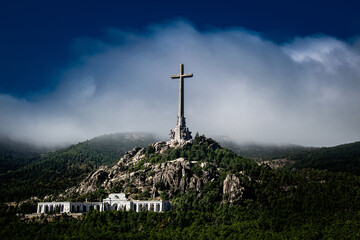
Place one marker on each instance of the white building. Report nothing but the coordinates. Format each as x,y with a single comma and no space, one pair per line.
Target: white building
115,201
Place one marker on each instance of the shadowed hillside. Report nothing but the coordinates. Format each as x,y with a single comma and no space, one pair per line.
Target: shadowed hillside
55,171
341,158
14,155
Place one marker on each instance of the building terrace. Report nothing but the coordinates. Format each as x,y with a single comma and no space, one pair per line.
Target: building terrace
115,201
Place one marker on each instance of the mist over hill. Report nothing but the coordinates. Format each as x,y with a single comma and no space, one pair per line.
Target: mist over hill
15,154
261,152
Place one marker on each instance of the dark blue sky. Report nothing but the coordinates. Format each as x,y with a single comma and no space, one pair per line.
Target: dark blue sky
36,36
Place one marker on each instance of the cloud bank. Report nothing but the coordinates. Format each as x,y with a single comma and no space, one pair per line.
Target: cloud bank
306,91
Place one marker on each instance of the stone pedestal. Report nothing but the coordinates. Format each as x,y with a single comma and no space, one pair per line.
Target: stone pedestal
180,134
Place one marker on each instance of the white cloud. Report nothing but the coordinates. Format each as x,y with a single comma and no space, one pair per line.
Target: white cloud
244,86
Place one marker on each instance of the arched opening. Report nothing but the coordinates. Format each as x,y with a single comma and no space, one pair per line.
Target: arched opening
97,207
91,208
157,207
73,209
151,207
84,208
134,207
46,209
107,206
115,207
77,208
40,208
145,207
51,208
61,208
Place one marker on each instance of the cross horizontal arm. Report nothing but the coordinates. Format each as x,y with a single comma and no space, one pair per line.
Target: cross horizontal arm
187,75
184,76
175,76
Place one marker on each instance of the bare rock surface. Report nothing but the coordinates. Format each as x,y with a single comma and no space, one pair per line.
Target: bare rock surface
232,188
277,163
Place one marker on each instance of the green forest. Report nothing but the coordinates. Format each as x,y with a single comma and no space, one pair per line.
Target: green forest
53,172
309,202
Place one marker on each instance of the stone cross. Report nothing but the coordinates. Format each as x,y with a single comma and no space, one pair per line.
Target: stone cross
181,132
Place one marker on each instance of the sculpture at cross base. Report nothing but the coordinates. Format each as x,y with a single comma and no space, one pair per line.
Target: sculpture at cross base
181,133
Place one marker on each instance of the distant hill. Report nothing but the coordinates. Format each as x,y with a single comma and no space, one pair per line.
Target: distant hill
342,158
35,174
14,155
263,152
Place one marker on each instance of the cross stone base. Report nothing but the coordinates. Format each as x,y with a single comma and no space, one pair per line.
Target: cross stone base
180,134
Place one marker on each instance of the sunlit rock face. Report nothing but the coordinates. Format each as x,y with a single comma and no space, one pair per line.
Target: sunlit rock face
233,188
174,175
159,171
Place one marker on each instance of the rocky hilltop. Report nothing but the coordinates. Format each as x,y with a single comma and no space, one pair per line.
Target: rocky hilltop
164,169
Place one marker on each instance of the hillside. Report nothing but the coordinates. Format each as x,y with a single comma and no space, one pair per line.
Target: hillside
166,170
202,168
53,172
23,165
215,194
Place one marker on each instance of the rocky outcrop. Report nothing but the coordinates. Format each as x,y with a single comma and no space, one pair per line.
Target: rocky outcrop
175,175
91,182
232,188
133,175
277,163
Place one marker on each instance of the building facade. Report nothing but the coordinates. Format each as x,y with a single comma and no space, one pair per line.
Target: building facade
114,202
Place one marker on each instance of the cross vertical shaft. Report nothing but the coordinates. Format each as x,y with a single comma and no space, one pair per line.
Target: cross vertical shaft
181,96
